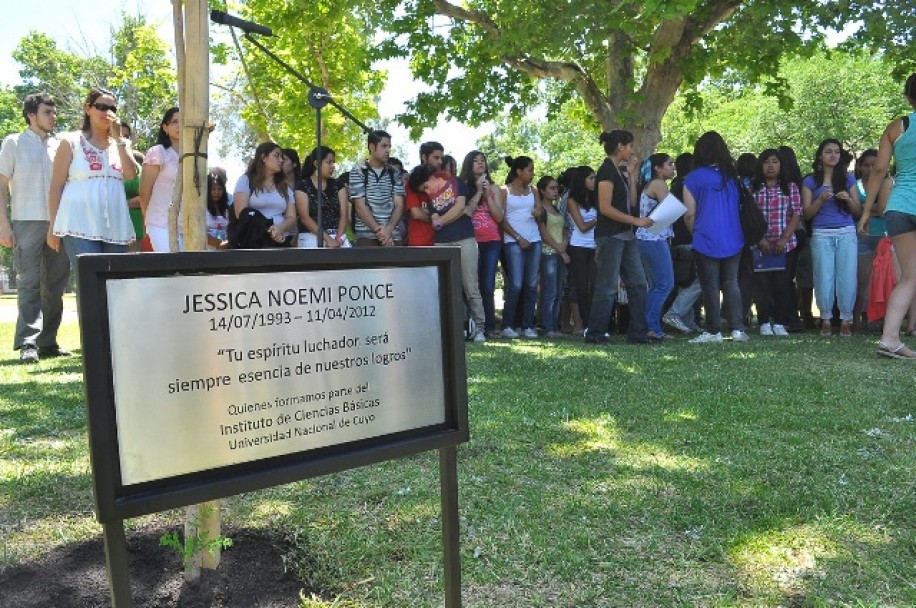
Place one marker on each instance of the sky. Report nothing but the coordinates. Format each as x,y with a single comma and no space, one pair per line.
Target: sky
77,29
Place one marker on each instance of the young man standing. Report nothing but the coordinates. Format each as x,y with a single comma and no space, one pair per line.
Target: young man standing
420,231
377,193
25,171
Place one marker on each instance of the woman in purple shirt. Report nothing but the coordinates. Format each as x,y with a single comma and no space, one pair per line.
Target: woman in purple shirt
831,201
712,197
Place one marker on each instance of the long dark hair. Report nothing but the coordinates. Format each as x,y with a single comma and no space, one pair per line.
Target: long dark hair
711,150
579,192
219,206
467,171
297,164
515,165
790,164
256,173
647,170
309,168
611,139
838,178
162,138
760,181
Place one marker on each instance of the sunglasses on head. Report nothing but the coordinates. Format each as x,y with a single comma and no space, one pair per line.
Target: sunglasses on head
104,107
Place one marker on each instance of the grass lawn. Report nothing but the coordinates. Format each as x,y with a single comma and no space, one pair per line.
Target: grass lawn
777,472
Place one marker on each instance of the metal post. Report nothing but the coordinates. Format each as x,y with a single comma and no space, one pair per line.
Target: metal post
451,544
116,560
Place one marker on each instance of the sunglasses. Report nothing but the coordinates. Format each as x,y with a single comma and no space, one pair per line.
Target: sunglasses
104,107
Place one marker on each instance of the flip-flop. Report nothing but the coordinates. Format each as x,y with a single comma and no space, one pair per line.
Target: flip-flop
895,353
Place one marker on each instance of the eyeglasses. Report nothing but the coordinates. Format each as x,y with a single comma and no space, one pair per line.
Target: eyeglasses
278,155
104,107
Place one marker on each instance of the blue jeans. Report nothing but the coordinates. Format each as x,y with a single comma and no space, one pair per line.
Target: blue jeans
834,254
618,259
523,278
720,274
553,274
656,260
76,246
487,261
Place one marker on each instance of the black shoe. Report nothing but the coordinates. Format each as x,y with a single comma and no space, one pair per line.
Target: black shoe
594,338
48,352
28,353
642,340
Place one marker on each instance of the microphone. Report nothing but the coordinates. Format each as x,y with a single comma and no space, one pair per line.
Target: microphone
249,27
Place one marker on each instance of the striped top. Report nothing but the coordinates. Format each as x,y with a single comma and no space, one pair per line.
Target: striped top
378,187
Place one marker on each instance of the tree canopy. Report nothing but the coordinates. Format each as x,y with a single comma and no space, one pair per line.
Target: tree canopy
625,59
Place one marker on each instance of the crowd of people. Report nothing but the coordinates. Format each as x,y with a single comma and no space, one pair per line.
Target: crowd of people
579,253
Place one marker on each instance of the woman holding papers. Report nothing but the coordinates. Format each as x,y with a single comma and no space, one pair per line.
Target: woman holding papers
779,200
653,244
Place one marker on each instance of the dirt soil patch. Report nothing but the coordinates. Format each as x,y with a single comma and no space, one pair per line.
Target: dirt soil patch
251,574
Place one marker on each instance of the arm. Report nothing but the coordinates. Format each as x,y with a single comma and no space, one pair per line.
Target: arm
239,202
878,171
812,207
545,236
59,172
607,209
691,214
456,211
278,231
573,208
494,203
302,211
851,198
507,227
344,215
7,239
147,179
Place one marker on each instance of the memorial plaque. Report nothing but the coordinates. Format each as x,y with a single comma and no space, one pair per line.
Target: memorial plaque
211,371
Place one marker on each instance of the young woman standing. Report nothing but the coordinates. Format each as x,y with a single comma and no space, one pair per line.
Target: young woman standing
654,248
582,206
555,239
831,202
522,241
334,205
485,205
160,169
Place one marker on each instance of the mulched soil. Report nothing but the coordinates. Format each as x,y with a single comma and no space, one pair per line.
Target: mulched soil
251,574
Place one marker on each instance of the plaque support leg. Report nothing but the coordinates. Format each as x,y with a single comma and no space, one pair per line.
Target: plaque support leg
451,545
116,558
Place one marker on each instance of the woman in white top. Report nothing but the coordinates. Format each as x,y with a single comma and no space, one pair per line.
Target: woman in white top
582,206
160,169
264,188
522,241
654,248
87,206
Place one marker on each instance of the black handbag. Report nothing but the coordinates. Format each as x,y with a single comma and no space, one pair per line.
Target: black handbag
753,223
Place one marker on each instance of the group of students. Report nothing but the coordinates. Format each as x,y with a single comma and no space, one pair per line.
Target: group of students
570,248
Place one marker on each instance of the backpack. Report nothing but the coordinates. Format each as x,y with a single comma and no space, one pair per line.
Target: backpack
388,169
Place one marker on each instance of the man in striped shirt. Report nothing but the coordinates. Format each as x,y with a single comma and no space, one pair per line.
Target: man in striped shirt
377,193
25,171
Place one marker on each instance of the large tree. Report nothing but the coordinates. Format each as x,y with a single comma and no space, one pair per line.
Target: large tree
625,59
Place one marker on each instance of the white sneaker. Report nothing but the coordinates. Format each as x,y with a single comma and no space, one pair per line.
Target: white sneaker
479,337
509,333
740,336
530,333
707,338
766,329
780,330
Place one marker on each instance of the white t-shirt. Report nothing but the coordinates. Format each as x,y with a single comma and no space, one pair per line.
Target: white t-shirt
269,203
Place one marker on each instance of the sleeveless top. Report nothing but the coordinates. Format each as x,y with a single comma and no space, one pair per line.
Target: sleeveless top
587,238
486,229
646,205
518,215
556,226
903,196
93,205
330,205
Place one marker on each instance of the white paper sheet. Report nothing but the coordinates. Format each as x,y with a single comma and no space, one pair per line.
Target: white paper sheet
666,213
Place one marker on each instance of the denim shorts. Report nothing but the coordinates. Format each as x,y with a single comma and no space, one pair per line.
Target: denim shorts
899,223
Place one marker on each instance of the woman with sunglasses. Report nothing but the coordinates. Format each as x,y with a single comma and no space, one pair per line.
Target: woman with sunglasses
160,169
86,201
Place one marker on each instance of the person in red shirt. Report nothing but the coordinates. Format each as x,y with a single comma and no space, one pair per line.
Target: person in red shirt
420,231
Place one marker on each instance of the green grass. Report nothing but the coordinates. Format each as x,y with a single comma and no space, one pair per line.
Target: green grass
778,472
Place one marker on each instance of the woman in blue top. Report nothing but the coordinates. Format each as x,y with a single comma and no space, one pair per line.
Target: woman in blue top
900,217
830,200
712,199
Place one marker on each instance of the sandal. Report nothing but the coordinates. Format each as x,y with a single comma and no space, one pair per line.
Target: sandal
826,329
845,329
902,351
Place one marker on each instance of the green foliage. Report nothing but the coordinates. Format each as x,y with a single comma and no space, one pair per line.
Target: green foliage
11,120
331,45
848,96
138,71
196,543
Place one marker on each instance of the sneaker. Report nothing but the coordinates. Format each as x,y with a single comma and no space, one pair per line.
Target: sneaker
530,333
479,337
766,329
28,353
707,338
48,352
740,336
780,330
509,333
676,323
